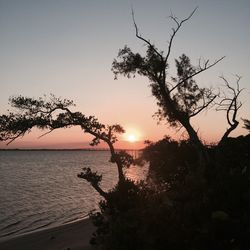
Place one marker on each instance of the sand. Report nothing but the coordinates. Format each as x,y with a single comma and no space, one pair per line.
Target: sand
73,236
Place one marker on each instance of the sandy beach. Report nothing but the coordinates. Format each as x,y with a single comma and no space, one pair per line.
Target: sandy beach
73,236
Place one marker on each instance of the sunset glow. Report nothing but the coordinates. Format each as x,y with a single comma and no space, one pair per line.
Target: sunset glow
64,38
133,135
132,138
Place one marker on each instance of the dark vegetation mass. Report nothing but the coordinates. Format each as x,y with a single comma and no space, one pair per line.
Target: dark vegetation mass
177,208
195,196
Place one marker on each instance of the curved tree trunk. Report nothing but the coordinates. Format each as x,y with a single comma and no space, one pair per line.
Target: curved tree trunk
192,134
199,146
117,161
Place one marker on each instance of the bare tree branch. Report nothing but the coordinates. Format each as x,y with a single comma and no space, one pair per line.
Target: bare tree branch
203,107
94,179
143,39
21,134
231,105
46,133
200,70
177,102
179,24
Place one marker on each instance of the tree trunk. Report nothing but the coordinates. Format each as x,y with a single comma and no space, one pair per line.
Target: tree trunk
118,163
226,134
203,156
192,134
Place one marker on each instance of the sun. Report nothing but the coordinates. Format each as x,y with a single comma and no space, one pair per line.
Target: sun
132,135
131,138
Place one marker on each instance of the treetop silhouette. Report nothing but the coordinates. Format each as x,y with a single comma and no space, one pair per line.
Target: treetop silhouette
179,98
54,113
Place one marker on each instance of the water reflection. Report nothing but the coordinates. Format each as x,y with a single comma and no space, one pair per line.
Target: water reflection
137,173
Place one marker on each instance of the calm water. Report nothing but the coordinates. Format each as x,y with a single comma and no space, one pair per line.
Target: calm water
40,189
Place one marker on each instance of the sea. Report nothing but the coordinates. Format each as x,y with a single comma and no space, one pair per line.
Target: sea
40,189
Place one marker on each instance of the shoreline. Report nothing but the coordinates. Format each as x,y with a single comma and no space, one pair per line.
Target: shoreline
73,236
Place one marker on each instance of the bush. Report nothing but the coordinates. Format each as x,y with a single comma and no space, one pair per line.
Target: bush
182,210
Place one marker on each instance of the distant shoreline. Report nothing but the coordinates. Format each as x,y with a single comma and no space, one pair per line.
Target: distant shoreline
62,149
52,149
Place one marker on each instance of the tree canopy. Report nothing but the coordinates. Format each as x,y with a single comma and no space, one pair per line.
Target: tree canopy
183,204
53,113
179,98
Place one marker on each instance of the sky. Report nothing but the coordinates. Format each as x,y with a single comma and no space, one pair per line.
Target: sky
67,48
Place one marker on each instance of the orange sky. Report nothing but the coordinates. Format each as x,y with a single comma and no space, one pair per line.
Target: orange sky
67,49
75,138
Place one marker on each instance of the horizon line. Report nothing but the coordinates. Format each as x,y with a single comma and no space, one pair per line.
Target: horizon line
66,149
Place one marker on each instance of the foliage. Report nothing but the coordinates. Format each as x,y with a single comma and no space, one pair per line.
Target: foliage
179,98
195,197
189,96
185,101
125,158
90,176
54,113
180,211
169,155
43,114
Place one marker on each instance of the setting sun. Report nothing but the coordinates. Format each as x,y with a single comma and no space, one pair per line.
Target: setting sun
131,138
132,135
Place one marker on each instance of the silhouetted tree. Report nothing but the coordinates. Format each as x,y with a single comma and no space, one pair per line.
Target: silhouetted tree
55,113
186,209
197,213
179,98
231,104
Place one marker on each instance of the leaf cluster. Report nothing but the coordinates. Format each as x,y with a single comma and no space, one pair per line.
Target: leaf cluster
90,176
125,158
190,212
51,114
